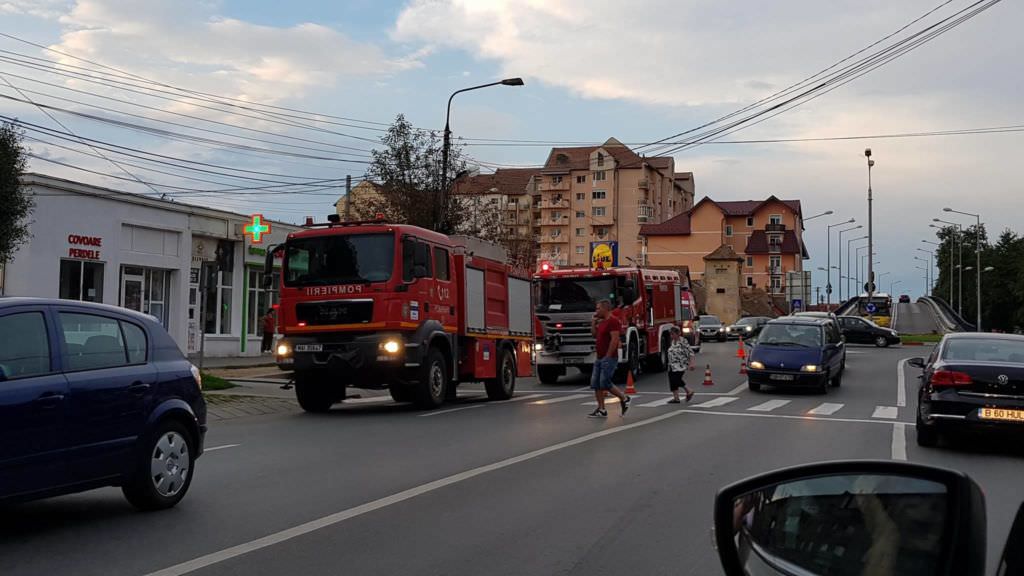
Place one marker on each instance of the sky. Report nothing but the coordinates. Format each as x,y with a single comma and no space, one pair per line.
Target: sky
641,71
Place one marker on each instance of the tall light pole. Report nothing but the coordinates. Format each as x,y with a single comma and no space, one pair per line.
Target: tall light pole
882,275
960,262
828,265
926,276
939,246
931,268
441,215
892,286
825,213
864,266
860,268
977,260
849,263
871,239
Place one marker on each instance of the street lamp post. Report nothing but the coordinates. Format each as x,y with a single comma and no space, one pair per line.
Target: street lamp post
977,260
892,286
860,268
950,265
871,239
825,213
849,260
931,268
960,262
926,276
439,218
828,269
864,267
882,275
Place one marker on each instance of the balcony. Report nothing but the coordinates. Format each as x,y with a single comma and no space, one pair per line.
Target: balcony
773,270
554,203
560,239
774,248
776,228
553,186
644,213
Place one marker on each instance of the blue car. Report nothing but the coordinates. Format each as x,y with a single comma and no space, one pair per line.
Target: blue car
91,396
797,351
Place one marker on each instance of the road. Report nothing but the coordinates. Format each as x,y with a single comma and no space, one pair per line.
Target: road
528,486
916,318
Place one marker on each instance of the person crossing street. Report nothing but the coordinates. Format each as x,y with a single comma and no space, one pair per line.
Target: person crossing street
606,330
680,356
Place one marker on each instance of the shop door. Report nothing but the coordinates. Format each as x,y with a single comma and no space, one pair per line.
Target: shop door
133,283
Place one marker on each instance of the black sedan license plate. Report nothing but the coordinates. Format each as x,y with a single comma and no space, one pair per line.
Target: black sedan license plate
1001,414
572,361
309,347
784,377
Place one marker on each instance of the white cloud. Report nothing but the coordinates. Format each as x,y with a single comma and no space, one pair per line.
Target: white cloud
47,9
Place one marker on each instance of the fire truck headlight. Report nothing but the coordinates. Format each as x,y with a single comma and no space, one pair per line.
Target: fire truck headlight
538,346
687,330
391,346
283,349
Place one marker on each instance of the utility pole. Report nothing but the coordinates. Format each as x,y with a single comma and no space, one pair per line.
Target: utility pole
871,247
348,197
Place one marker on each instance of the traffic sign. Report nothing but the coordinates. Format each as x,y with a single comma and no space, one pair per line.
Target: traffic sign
798,305
871,308
828,289
869,287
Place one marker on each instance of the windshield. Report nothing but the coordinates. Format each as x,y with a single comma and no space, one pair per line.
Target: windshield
984,350
574,294
790,335
710,320
746,322
347,259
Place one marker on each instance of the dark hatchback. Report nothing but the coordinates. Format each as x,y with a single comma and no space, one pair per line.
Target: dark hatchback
859,330
746,327
797,351
971,380
91,396
711,328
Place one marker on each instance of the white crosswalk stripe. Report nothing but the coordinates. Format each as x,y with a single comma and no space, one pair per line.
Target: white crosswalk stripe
826,409
769,406
715,402
656,403
890,412
557,400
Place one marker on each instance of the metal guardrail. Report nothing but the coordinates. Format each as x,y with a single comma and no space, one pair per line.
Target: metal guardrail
846,308
952,322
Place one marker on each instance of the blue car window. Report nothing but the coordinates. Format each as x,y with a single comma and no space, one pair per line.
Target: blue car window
24,345
135,342
92,341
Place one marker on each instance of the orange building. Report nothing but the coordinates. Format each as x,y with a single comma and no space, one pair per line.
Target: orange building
767,234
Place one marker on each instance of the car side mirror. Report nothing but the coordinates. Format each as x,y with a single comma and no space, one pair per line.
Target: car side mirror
917,362
892,514
1012,562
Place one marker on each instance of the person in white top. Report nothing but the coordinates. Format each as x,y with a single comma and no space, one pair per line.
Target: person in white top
680,355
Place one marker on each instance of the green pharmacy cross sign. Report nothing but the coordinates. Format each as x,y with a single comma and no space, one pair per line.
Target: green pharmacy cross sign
256,229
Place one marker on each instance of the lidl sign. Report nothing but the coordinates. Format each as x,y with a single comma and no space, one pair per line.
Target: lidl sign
604,254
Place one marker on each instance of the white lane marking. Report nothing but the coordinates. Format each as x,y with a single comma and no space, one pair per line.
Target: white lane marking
901,383
655,404
716,402
890,412
737,389
519,398
582,389
899,441
782,416
438,413
826,409
609,400
557,400
337,517
212,448
769,406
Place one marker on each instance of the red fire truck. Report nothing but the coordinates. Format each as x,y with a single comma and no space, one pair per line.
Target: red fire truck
646,302
375,305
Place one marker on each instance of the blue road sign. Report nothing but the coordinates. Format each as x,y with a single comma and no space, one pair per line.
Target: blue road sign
798,305
871,308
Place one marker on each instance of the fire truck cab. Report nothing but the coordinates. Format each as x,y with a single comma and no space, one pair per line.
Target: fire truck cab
375,305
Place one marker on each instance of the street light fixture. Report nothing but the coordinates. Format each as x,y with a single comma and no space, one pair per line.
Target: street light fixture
960,262
826,213
931,269
871,238
828,257
977,257
841,232
849,264
939,246
439,218
926,293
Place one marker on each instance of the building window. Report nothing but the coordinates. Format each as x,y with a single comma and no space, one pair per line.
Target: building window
599,194
775,219
579,231
556,180
556,252
602,232
581,179
580,250
597,211
600,159
776,285
81,280
599,176
217,300
556,233
581,196
775,261
146,290
259,300
750,221
750,281
581,214
555,216
750,261
728,229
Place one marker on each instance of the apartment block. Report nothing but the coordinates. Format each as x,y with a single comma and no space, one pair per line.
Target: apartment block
767,234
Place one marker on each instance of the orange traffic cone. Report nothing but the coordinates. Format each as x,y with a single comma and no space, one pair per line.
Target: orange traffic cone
630,385
741,352
743,367
707,376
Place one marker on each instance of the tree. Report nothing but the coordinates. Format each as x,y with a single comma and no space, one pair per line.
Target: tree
408,170
16,202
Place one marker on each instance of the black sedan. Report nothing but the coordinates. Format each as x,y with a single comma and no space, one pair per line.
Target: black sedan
746,327
971,380
711,328
859,330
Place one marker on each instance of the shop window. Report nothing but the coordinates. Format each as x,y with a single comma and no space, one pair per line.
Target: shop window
217,296
259,300
81,280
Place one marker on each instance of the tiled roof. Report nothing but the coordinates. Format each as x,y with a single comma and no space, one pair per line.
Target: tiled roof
675,226
758,243
748,207
724,252
509,181
578,158
660,162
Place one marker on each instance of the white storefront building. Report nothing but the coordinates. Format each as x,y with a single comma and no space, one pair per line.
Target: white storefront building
101,245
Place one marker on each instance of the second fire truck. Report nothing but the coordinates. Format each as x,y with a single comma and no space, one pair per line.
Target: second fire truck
647,302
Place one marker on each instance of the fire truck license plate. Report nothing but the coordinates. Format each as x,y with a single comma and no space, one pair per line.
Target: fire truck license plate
1001,414
309,347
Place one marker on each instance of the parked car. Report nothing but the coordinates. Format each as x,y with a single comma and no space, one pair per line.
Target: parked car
971,380
797,351
859,330
711,328
904,299
93,395
746,327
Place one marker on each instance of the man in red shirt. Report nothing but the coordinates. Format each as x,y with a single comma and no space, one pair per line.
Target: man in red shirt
268,331
606,330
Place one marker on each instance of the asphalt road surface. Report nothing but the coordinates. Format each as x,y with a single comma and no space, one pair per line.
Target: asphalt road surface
528,486
916,318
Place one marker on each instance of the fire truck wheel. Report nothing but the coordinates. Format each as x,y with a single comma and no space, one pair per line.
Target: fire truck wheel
433,382
313,396
504,386
548,374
